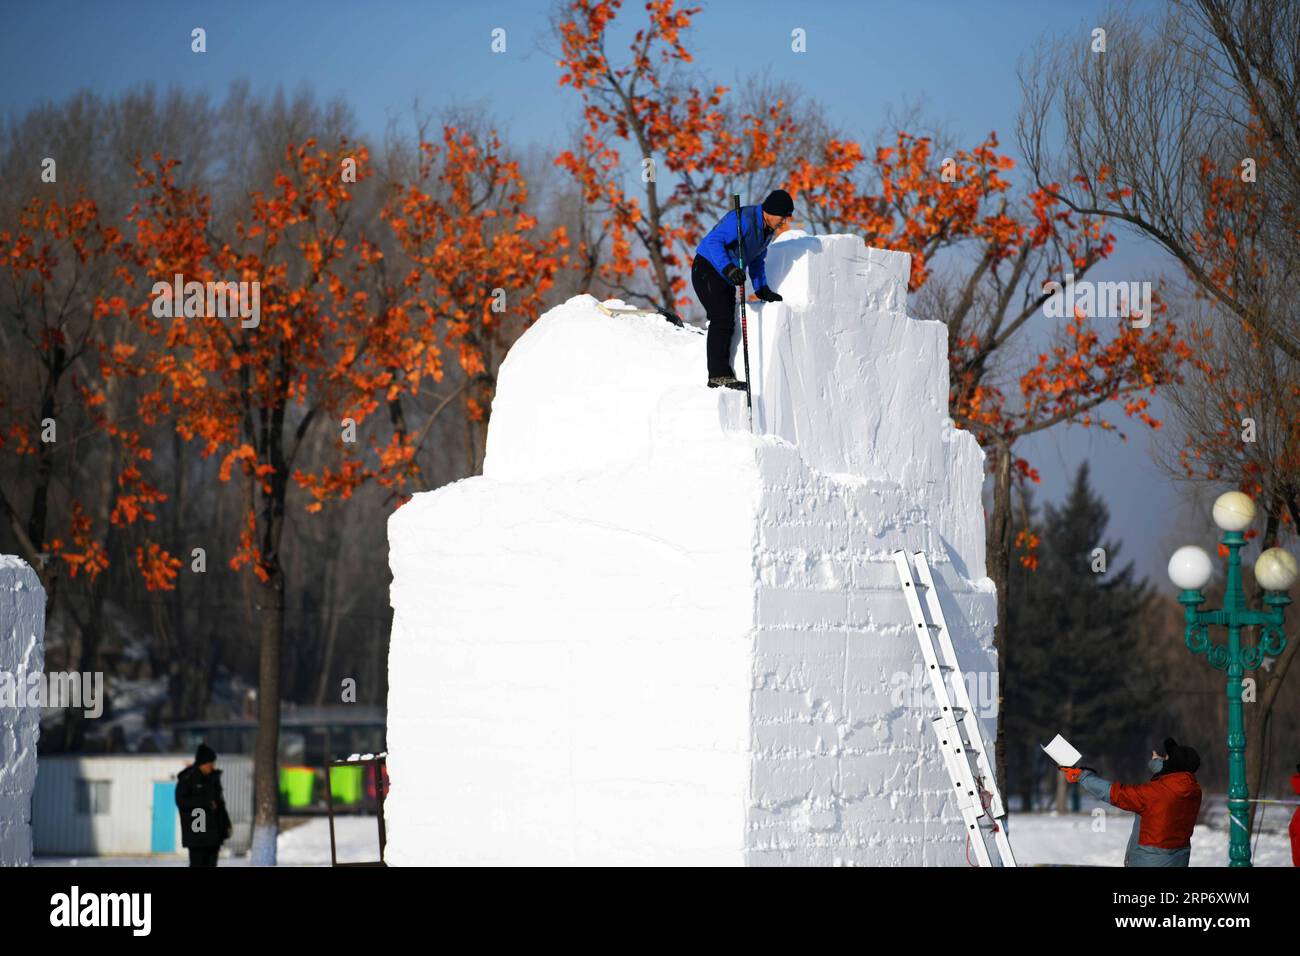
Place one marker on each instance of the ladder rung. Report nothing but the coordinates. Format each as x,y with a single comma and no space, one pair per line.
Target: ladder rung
961,745
965,759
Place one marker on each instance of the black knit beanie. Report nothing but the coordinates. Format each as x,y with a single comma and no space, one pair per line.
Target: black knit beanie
204,754
778,203
1180,759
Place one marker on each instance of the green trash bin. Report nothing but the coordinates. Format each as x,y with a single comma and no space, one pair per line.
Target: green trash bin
297,784
346,784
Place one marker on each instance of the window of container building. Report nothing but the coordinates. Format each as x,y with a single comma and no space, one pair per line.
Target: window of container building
92,797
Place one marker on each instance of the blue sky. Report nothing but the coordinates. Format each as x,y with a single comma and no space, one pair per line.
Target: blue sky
863,57
958,59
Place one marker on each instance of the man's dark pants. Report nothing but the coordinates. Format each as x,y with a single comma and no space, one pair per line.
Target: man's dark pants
718,296
204,855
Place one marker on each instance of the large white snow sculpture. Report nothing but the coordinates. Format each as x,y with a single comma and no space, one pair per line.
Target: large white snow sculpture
646,635
22,653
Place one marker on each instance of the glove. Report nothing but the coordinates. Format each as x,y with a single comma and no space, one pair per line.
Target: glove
1072,774
767,295
734,274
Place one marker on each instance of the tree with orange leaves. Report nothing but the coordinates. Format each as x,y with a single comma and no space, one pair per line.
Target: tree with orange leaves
72,420
337,337
59,262
253,394
670,126
464,228
920,204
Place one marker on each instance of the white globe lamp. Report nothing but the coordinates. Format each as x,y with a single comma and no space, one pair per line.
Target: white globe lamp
1276,570
1190,568
1234,511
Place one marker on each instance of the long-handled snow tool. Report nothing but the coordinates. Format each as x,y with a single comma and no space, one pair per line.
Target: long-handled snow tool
668,314
744,326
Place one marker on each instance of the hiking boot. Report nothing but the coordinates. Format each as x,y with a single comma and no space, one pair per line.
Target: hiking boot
730,381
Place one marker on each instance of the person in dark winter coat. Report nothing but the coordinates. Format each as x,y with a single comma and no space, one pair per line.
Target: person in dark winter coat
1166,806
205,824
719,267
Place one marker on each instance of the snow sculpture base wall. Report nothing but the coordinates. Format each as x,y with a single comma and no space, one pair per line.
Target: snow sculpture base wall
646,635
22,652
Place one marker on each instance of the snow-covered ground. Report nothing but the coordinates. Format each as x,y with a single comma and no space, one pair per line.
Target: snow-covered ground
1038,838
1045,839
306,844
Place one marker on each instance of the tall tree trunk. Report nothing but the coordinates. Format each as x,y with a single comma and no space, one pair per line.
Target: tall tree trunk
328,601
92,628
178,658
327,663
266,752
87,661
270,606
655,247
653,237
38,516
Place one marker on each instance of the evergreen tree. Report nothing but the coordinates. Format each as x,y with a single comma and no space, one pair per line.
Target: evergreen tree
1075,621
1028,697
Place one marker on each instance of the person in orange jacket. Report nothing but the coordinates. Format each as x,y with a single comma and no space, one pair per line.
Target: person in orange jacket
1166,806
1295,820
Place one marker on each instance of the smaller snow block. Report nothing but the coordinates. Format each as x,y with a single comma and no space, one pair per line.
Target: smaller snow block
22,652
647,635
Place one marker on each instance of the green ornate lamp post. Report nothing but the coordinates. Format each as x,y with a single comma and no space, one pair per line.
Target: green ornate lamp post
1275,570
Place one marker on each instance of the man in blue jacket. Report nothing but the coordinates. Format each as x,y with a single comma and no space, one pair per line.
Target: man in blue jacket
719,267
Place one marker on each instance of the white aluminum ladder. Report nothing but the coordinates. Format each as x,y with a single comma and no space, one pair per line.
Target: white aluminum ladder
957,727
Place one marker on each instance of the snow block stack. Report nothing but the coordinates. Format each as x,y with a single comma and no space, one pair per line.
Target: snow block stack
646,635
22,652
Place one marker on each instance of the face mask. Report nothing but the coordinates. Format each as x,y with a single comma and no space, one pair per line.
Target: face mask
1156,764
